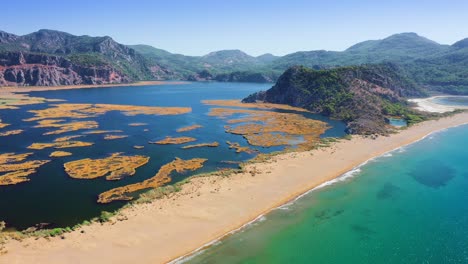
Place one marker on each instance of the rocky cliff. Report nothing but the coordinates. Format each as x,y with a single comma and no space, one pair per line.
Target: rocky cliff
362,96
27,69
49,57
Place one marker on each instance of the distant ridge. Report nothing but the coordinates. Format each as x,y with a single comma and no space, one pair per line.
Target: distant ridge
50,57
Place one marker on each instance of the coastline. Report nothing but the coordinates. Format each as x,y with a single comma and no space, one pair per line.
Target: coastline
26,89
426,105
209,208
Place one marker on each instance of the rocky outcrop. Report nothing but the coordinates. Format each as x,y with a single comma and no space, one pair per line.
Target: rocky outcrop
361,96
50,57
26,69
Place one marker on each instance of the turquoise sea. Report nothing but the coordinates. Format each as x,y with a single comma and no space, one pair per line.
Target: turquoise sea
409,206
52,197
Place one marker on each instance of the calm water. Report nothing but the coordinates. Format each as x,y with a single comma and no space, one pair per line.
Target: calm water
397,122
407,207
53,197
452,100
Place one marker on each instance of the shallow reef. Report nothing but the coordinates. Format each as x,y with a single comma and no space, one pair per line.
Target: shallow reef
161,178
114,167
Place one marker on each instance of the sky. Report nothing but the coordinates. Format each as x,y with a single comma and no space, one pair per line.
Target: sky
197,27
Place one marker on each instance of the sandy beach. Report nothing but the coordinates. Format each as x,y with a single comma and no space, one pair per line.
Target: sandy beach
428,105
208,208
26,89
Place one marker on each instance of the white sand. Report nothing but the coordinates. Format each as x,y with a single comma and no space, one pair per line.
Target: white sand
428,105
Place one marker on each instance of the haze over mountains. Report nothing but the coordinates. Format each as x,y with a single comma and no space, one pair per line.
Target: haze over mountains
49,57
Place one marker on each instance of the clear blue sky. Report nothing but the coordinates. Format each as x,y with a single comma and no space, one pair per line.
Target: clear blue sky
196,27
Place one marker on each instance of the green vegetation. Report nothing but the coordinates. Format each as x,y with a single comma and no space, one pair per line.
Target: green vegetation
88,59
360,95
433,66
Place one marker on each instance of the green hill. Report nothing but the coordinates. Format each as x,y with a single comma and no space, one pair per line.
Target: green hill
360,95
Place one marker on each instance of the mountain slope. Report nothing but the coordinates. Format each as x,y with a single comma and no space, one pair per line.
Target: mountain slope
360,95
67,59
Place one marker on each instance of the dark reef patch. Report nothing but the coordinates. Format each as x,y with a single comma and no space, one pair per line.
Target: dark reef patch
433,173
388,191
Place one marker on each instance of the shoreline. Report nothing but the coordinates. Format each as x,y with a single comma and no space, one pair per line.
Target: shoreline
26,89
341,177
198,213
427,105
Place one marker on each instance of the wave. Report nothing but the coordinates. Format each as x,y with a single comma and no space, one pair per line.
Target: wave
346,176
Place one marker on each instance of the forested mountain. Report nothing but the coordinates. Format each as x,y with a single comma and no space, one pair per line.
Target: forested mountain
49,57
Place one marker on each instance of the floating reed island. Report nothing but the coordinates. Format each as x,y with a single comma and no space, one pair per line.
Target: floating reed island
137,124
11,132
114,167
65,127
173,140
14,169
111,137
79,111
15,101
211,145
239,148
162,177
97,132
265,128
67,138
188,128
60,145
59,154
266,106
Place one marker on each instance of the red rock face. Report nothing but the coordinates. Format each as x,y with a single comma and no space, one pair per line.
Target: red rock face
23,69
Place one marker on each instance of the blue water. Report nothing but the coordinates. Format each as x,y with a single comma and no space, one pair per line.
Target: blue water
407,207
397,122
452,100
53,197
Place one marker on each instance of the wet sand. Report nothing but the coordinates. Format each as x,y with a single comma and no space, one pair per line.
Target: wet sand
208,208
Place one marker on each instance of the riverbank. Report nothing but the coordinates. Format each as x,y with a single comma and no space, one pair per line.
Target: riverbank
208,208
26,89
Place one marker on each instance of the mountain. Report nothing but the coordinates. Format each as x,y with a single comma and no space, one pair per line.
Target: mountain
49,57
397,47
360,95
223,65
267,57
